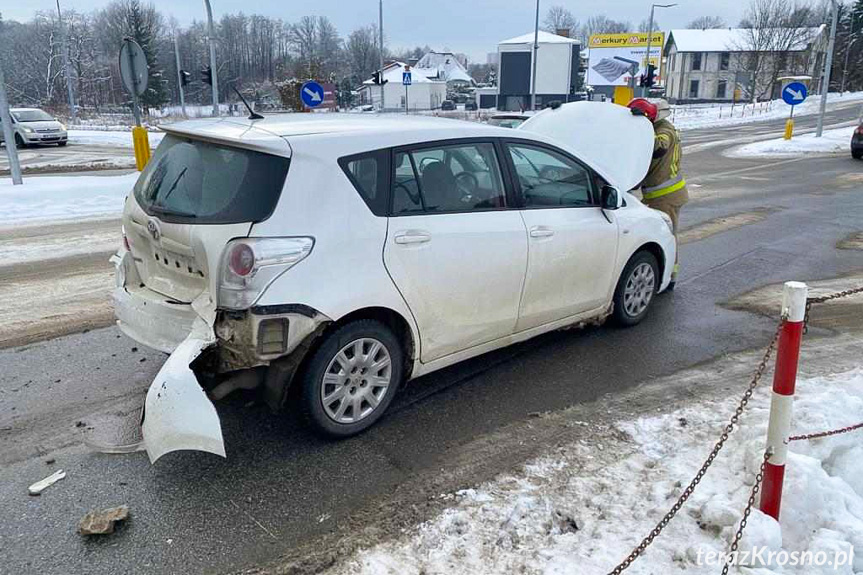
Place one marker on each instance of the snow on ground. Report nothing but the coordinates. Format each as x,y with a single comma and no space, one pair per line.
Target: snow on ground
44,198
831,142
697,116
581,509
114,138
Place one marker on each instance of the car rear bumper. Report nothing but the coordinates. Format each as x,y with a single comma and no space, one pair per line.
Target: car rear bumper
149,319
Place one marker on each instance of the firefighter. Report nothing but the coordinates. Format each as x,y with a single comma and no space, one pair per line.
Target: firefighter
663,188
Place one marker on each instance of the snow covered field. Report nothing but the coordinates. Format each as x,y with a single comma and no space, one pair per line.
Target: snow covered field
583,507
711,115
115,138
63,198
833,141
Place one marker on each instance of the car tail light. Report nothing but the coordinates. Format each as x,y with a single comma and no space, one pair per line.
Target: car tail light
250,265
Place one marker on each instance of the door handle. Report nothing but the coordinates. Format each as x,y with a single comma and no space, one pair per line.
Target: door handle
412,237
541,232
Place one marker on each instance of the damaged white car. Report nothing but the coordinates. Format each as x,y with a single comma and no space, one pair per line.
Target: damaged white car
342,255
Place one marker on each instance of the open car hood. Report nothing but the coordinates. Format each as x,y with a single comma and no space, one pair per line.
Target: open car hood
608,137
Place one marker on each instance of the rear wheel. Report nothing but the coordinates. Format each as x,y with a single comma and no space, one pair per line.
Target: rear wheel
857,154
351,379
636,289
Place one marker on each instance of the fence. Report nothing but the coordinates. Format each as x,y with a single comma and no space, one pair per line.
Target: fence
795,318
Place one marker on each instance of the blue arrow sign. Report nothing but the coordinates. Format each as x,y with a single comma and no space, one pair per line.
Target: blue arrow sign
312,94
795,93
406,78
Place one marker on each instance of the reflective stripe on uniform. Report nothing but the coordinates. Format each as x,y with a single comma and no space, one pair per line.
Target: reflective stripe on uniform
668,187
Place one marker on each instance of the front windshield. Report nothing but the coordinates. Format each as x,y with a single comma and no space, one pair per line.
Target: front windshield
32,116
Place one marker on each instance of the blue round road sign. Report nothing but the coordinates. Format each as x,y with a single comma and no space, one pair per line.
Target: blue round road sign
312,94
795,93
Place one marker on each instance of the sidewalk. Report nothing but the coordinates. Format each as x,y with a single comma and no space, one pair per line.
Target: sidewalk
583,505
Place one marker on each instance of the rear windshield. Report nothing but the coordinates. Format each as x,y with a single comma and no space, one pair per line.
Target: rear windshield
190,181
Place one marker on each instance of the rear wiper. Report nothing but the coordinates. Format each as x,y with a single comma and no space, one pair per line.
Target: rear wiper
169,212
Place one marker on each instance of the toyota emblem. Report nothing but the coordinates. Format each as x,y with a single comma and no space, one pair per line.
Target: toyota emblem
153,228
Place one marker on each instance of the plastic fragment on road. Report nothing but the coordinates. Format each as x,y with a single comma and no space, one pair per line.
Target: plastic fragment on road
102,522
40,486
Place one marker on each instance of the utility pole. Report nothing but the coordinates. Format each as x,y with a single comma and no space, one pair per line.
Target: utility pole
179,73
848,45
381,47
213,66
535,52
8,134
646,89
828,69
73,116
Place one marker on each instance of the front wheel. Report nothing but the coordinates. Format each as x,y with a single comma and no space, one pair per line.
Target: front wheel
635,289
19,141
351,379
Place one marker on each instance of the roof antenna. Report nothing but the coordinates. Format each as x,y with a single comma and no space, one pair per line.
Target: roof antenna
252,114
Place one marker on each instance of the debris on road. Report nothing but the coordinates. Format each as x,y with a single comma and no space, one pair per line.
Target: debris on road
102,522
40,486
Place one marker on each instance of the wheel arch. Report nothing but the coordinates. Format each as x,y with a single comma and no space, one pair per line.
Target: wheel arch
658,253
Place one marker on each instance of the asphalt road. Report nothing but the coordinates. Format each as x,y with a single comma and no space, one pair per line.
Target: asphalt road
72,157
279,487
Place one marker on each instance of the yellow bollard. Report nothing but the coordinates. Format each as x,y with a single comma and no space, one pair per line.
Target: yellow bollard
142,147
789,129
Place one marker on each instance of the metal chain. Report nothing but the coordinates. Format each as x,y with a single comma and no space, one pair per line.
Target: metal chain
690,489
826,433
735,543
826,298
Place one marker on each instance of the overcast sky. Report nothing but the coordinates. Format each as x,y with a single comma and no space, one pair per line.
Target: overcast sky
470,26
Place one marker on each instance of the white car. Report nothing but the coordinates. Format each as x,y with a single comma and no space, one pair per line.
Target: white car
33,126
342,255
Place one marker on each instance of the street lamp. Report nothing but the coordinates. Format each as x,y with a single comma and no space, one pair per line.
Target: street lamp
535,50
828,69
644,89
213,66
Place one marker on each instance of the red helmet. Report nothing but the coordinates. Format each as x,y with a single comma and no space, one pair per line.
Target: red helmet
645,108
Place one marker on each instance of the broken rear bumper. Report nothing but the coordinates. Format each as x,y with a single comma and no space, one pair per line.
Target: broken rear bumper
149,319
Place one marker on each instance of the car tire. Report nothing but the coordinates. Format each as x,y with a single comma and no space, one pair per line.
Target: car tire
636,289
61,144
346,368
857,154
19,142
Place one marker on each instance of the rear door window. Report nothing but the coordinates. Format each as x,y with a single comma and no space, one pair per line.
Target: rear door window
369,173
191,181
454,178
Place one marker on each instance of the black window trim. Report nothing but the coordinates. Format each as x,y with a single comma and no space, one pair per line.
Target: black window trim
592,174
379,154
509,196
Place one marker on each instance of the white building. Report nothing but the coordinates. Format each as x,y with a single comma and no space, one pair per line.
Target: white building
424,93
444,66
710,65
557,70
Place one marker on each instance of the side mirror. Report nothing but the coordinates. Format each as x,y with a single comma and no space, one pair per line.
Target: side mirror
611,198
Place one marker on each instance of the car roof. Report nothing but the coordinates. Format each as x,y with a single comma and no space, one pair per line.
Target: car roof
366,131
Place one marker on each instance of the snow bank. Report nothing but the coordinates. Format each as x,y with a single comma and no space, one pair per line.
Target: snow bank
693,117
114,138
582,510
831,142
43,198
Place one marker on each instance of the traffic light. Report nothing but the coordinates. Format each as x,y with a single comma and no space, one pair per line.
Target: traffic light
378,79
185,78
650,77
207,76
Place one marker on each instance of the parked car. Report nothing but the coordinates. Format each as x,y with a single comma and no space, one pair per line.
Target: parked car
508,120
447,105
857,143
338,257
33,126
470,106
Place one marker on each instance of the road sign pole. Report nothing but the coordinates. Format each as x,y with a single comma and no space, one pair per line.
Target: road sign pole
179,75
828,69
8,133
406,98
213,66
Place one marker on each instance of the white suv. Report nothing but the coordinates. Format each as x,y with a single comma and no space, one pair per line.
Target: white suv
342,255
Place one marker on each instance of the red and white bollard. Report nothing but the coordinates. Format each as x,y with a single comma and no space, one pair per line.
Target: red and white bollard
784,380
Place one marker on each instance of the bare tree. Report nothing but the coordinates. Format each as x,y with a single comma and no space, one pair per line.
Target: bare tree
707,23
601,24
559,18
644,25
774,31
361,49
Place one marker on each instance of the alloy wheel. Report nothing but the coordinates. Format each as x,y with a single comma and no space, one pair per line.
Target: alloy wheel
639,290
356,380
